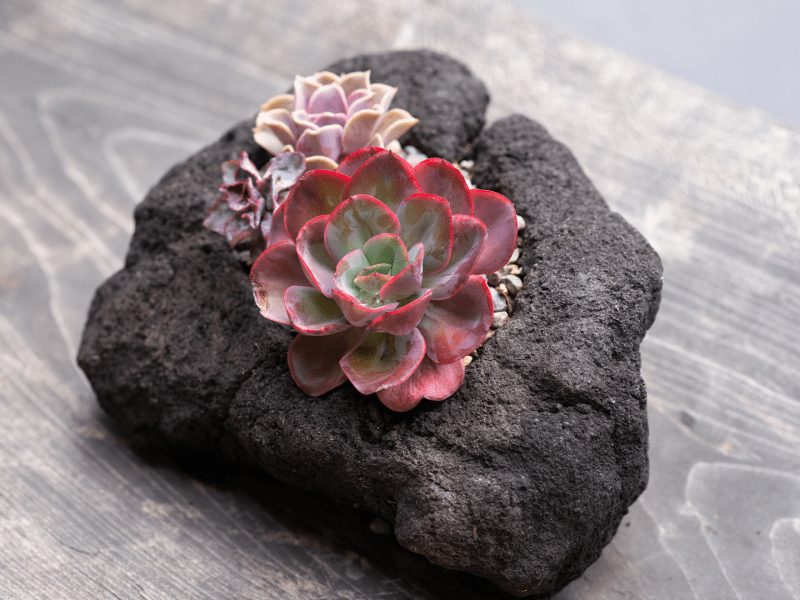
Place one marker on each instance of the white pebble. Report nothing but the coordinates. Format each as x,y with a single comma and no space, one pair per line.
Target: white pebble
414,156
498,300
513,284
467,359
520,223
499,319
494,278
512,269
514,256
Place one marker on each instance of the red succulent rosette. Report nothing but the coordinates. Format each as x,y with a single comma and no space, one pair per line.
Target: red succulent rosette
377,266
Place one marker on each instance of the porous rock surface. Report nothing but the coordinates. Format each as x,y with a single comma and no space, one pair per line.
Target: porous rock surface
523,475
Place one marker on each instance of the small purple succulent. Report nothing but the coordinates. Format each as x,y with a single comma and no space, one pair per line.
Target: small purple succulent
377,266
244,212
329,117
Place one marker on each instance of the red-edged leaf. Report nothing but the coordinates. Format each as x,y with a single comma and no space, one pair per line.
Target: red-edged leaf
373,278
431,380
498,214
312,313
317,264
274,271
355,221
277,230
382,360
407,281
358,314
405,318
456,326
317,193
237,229
219,215
314,361
353,163
347,269
437,176
387,248
384,176
426,219
469,238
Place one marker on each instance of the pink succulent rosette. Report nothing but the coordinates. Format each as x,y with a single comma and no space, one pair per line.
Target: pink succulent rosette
376,265
330,116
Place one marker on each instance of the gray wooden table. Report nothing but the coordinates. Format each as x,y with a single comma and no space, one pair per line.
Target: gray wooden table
99,98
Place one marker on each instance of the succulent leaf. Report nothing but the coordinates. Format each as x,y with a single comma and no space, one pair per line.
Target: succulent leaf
437,176
431,380
318,266
285,101
407,281
354,81
357,313
314,361
355,221
498,214
404,318
381,360
353,162
329,98
317,193
358,130
454,327
394,124
387,248
283,171
277,230
426,220
348,269
372,279
469,238
273,134
312,313
323,141
384,176
276,270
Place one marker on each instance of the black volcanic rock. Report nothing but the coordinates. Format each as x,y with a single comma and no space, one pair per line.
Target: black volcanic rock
523,475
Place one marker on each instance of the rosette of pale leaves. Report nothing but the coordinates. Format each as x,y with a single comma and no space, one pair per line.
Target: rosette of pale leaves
376,265
329,117
243,213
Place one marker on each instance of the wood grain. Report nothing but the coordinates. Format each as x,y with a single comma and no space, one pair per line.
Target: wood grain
98,99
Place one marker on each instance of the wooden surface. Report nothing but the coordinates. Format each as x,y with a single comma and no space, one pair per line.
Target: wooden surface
99,98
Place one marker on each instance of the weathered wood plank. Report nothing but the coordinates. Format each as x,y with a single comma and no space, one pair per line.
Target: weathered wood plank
98,99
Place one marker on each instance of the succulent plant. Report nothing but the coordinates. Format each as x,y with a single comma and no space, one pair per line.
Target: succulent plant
244,211
377,267
329,117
